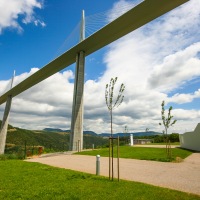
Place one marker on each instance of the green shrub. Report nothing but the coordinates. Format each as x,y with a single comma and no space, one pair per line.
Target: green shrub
12,156
3,157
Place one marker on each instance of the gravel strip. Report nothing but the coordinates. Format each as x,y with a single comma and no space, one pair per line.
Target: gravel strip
184,176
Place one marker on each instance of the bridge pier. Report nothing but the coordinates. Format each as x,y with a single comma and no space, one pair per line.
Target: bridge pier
76,136
4,125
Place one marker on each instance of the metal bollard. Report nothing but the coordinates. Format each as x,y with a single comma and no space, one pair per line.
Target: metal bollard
98,165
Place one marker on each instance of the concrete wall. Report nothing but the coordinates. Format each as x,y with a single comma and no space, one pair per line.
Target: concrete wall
191,140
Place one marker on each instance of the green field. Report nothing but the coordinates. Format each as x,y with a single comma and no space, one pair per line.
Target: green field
24,180
163,143
146,153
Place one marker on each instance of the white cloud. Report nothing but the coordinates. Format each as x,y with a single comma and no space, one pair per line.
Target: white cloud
184,98
120,8
11,11
176,69
46,104
182,114
157,59
39,22
153,61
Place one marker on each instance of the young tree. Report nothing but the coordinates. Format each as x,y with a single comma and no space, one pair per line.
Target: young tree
167,122
110,101
112,104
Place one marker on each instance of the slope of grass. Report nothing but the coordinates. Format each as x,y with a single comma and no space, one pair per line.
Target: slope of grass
147,153
9,126
38,138
49,140
23,180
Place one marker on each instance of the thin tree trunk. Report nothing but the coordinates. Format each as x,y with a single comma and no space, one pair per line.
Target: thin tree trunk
166,141
111,123
111,140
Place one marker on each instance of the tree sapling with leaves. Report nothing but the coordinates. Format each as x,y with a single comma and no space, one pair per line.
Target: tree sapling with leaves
167,122
110,102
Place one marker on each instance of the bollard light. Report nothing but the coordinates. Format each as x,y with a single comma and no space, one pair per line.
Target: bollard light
98,165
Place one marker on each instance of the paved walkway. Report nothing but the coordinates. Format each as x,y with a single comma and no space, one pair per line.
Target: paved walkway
184,176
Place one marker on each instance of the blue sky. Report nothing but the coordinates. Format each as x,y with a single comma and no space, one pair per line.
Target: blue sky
35,46
160,61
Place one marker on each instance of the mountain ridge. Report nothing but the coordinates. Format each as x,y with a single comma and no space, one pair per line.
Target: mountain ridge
145,133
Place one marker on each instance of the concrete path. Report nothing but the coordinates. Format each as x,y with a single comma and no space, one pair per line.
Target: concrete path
184,176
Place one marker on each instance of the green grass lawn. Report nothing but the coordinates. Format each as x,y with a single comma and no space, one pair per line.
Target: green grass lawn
146,153
162,143
24,180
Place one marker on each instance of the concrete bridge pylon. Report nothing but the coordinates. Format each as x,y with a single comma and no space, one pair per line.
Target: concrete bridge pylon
4,125
76,136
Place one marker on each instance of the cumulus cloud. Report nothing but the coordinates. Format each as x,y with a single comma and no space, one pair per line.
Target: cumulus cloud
184,98
15,12
153,62
176,69
47,104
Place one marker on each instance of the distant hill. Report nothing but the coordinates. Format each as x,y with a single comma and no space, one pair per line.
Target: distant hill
68,131
50,140
55,130
91,133
9,126
136,134
54,139
58,139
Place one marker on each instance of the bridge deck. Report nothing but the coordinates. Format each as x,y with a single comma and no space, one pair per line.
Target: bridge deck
130,21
